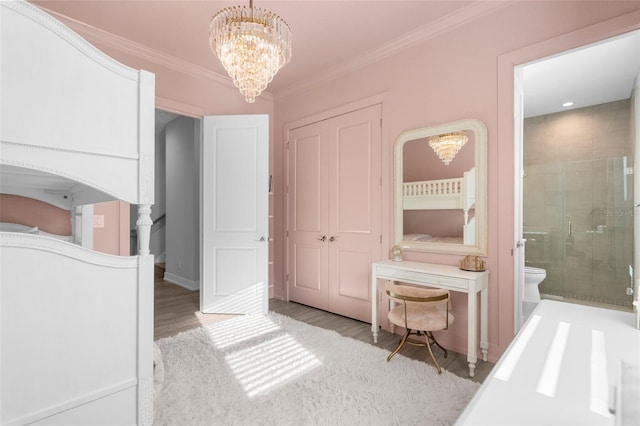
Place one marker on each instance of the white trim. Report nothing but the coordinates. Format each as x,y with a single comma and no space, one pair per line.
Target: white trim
138,50
420,35
636,201
426,32
182,282
344,109
506,65
180,108
480,137
518,168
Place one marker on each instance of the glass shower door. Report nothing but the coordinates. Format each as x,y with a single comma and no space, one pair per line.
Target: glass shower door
586,241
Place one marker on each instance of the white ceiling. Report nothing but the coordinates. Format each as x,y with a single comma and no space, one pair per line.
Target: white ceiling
596,74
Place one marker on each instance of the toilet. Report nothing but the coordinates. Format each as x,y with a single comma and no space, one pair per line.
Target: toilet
532,278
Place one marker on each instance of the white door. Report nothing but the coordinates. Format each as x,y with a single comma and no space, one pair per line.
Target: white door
636,202
234,214
521,312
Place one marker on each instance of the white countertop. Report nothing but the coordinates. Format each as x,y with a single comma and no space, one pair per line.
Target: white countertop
589,344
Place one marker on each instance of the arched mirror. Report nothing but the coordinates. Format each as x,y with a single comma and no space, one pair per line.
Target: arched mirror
441,188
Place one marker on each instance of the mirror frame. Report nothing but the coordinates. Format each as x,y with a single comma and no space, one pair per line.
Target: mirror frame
480,139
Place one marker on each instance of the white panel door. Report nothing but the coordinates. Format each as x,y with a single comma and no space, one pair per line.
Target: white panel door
234,214
520,315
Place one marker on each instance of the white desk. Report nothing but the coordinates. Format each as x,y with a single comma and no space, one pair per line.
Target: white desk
440,276
560,370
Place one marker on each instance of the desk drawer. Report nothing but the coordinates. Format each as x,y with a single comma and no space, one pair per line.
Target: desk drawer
423,278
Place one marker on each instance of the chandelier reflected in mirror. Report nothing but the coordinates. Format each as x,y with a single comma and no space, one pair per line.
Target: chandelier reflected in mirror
252,44
447,145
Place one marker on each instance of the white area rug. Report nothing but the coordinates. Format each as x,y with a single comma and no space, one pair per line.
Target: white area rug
273,370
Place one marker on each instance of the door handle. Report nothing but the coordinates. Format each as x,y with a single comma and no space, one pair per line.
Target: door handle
262,239
332,239
324,238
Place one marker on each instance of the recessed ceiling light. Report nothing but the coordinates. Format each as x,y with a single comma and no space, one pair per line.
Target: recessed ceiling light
567,104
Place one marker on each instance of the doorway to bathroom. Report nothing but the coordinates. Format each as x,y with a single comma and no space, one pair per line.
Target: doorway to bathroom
577,153
578,213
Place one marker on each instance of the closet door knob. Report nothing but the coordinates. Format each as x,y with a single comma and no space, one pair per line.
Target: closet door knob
324,238
332,239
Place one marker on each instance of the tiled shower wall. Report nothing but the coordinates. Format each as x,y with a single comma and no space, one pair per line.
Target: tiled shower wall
578,201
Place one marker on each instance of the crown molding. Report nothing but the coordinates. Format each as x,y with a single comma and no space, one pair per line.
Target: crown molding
428,31
127,46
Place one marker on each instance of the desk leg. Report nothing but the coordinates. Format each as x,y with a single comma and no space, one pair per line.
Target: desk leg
374,304
484,322
472,334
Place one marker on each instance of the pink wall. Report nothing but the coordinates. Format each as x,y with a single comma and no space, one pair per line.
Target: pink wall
30,212
113,238
458,73
465,73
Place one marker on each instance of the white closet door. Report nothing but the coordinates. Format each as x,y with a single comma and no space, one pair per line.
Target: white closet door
234,214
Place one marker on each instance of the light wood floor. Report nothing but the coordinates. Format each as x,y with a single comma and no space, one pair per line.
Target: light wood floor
177,310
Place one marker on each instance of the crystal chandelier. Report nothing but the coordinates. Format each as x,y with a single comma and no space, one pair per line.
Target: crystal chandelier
252,44
447,145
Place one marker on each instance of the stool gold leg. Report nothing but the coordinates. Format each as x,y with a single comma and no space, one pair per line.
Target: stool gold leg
433,357
430,334
402,340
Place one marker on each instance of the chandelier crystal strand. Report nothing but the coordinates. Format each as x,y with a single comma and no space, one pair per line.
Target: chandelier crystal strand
252,44
447,145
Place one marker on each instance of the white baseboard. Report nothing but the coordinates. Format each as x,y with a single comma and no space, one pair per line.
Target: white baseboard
182,282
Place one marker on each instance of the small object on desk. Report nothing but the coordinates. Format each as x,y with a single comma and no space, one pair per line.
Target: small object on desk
472,263
396,254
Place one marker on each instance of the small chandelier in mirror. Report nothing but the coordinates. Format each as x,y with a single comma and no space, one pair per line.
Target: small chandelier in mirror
447,145
252,44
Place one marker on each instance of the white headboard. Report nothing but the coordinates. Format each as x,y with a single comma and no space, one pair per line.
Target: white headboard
100,134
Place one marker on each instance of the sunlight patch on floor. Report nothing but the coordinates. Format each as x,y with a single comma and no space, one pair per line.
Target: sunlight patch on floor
237,330
267,365
271,364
